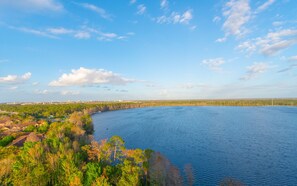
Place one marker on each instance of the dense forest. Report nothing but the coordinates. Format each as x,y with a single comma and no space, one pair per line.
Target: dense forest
52,144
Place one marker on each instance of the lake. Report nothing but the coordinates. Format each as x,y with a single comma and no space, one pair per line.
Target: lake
256,145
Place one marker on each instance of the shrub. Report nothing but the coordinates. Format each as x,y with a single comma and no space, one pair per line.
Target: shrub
30,128
6,140
43,128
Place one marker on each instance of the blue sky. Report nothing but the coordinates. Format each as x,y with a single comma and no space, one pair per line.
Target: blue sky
54,50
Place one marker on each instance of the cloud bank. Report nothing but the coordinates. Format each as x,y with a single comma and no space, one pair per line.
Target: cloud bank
254,70
15,79
86,77
237,14
272,43
214,64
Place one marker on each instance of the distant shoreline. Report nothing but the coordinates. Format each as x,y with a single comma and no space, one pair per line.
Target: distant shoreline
200,102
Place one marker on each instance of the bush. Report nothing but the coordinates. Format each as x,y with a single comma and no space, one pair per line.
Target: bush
43,128
6,140
30,128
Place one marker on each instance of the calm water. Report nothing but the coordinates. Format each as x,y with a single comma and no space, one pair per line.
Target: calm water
256,145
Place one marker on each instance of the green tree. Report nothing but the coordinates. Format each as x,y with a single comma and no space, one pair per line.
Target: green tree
43,127
93,171
6,140
130,174
29,168
117,144
30,128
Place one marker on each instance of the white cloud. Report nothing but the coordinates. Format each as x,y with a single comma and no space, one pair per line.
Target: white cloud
264,6
82,35
26,76
284,22
43,92
292,58
277,23
272,43
34,31
216,19
176,18
247,46
132,1
141,9
186,17
214,64
254,70
59,30
31,5
164,4
272,48
84,76
68,92
108,36
113,36
164,19
14,79
282,33
86,32
98,10
221,40
78,34
194,27
237,13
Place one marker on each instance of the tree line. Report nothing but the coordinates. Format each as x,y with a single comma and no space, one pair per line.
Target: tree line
64,152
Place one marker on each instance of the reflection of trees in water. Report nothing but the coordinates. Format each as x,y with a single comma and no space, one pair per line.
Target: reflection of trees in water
162,172
188,170
231,182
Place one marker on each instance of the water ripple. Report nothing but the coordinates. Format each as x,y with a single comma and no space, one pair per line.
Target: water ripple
256,145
